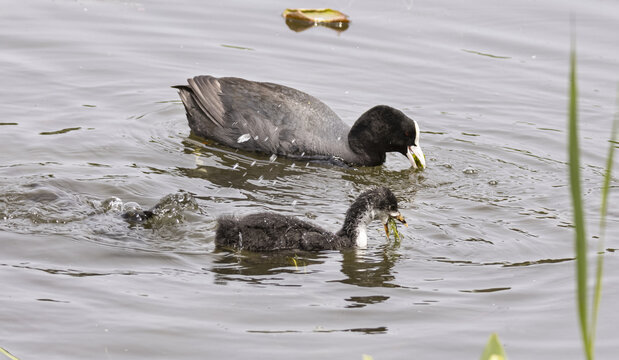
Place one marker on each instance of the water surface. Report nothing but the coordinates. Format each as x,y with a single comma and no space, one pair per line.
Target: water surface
90,123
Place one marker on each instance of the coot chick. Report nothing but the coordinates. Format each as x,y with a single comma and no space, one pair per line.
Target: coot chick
275,119
272,232
170,206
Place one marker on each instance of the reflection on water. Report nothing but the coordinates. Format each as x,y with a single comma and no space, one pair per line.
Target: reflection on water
58,132
262,268
363,268
227,168
503,263
362,301
368,331
490,290
74,272
370,268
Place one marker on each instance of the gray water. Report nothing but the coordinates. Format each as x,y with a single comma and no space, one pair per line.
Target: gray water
90,124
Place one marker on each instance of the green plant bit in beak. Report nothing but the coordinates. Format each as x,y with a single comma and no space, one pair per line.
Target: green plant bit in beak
416,157
391,226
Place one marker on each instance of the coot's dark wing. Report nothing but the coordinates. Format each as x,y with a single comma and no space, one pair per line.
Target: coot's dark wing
263,117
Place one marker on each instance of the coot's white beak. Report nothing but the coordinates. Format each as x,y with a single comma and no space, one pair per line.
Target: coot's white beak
416,157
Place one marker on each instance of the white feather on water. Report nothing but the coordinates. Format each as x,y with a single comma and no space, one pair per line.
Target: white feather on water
243,138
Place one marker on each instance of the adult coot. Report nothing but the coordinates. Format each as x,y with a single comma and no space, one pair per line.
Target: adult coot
271,232
275,119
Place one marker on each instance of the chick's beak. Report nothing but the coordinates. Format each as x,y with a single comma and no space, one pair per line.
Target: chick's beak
401,219
416,157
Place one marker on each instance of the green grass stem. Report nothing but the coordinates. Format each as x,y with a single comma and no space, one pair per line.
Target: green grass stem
579,218
597,292
588,321
7,354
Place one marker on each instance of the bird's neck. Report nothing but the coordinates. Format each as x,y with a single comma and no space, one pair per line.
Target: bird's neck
369,152
358,216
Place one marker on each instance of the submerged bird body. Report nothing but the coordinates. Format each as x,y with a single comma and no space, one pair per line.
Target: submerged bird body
272,232
275,119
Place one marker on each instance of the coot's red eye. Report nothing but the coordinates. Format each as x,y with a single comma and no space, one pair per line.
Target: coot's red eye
407,133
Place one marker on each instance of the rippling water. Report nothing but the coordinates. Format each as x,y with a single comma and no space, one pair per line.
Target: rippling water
90,126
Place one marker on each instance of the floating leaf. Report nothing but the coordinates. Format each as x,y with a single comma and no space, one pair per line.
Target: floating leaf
316,15
302,19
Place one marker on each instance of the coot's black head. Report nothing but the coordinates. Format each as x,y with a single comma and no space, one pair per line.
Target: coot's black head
384,129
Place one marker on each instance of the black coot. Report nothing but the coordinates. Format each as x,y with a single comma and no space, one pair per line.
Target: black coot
272,232
275,119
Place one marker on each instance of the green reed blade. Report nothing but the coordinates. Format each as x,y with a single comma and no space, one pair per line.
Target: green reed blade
8,354
579,220
597,293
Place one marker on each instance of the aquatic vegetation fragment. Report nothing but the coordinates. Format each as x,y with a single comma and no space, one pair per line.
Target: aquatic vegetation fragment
302,19
393,228
316,15
493,350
